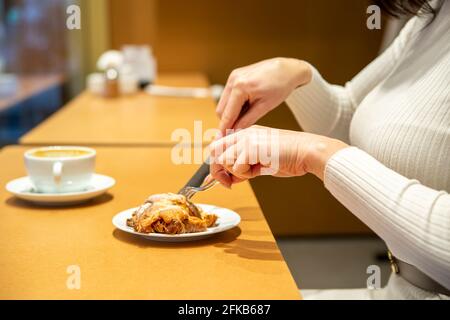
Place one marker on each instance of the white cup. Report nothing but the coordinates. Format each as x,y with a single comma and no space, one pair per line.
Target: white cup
96,83
60,169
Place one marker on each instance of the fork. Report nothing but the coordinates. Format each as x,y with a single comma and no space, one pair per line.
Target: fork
189,191
195,184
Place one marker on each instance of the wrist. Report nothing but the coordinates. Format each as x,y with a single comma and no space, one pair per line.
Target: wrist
320,153
302,73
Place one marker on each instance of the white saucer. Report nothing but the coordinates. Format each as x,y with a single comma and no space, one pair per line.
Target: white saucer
23,189
227,219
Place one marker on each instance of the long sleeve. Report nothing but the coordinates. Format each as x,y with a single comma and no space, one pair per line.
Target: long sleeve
399,111
326,109
413,219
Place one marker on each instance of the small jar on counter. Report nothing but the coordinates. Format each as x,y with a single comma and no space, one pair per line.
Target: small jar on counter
111,83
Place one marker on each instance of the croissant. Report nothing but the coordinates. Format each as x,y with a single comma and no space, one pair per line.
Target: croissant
171,214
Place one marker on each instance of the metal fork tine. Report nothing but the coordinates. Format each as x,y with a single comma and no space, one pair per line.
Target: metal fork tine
189,192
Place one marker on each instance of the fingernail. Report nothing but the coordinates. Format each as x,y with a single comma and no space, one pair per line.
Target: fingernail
208,179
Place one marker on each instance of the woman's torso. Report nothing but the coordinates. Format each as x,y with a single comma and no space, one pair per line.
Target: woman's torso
404,122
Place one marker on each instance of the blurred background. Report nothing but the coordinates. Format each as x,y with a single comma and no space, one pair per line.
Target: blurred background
43,65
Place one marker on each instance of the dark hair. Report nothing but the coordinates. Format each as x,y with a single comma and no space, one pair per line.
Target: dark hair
399,8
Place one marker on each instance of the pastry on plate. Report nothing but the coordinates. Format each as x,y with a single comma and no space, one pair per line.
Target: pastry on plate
170,213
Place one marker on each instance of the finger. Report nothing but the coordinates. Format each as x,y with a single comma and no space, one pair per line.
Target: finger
241,167
256,112
232,109
229,156
209,178
224,178
225,94
256,170
219,146
235,178
219,173
223,100
217,137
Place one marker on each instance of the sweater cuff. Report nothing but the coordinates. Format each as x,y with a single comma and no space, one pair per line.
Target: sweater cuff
310,104
359,171
311,92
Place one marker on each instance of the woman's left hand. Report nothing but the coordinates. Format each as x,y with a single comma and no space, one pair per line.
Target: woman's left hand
260,150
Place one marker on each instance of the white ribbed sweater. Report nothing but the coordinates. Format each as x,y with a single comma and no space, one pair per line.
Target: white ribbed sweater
396,115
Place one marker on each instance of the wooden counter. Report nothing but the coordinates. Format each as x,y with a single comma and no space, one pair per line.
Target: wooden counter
39,244
139,119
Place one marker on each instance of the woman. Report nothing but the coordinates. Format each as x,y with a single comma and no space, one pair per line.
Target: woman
381,144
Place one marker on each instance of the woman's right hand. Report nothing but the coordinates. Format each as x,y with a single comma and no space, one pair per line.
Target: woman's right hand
264,85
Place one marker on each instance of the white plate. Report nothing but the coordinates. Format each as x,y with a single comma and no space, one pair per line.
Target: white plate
23,189
227,219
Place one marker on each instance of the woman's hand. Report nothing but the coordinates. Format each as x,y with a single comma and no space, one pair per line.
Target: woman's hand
264,85
265,151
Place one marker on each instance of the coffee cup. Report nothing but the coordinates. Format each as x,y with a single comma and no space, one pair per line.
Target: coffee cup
60,169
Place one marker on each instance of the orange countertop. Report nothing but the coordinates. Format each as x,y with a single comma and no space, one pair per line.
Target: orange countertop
139,119
40,243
